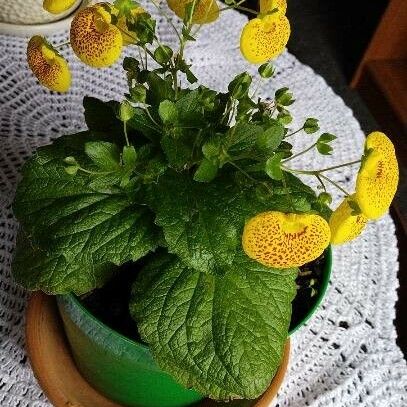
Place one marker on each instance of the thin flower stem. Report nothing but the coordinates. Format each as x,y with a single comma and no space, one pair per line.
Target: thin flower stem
321,182
287,192
62,45
335,184
165,15
340,165
149,115
295,132
125,132
300,153
248,10
316,174
242,171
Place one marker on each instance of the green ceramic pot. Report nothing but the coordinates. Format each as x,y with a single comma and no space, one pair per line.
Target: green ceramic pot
124,370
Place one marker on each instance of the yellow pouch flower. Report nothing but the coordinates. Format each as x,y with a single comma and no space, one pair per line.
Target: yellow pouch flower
378,176
48,66
344,225
264,38
269,5
57,6
206,11
95,41
280,240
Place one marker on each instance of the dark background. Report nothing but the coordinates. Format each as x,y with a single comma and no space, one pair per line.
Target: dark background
331,36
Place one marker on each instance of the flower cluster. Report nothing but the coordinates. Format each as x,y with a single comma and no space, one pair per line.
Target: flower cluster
99,32
288,240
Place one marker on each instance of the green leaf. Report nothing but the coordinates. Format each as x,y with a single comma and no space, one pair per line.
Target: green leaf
224,336
284,97
100,117
138,94
71,226
311,125
159,89
325,198
142,123
190,109
37,269
269,140
163,54
326,138
266,70
126,111
202,223
129,157
168,112
284,116
324,149
273,166
103,154
178,151
242,137
206,171
240,85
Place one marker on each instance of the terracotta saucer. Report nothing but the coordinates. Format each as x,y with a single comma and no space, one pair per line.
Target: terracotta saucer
58,376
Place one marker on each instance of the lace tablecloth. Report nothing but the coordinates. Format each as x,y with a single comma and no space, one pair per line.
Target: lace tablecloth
345,356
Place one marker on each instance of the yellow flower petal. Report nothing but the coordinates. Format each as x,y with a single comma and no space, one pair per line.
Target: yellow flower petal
280,240
378,176
57,6
269,5
345,226
265,38
95,41
48,66
206,11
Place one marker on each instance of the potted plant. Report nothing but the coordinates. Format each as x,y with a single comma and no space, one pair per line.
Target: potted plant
178,217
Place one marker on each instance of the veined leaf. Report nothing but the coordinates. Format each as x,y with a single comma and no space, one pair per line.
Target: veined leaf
224,336
69,223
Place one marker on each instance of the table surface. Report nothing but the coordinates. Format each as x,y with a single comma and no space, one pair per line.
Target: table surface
346,355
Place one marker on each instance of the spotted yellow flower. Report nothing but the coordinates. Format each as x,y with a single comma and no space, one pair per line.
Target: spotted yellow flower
264,38
57,6
95,41
281,240
48,66
378,176
346,226
206,11
268,5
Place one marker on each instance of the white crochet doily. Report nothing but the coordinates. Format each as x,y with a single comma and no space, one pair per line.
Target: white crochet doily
346,355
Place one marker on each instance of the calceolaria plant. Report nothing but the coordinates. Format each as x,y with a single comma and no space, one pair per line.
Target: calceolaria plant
204,179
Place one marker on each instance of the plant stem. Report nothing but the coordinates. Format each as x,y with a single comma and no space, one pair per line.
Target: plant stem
62,45
340,165
320,181
335,184
125,132
299,154
164,14
295,132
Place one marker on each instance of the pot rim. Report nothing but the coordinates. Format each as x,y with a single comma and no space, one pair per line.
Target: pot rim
321,294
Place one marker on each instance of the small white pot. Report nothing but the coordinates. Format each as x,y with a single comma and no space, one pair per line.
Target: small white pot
27,12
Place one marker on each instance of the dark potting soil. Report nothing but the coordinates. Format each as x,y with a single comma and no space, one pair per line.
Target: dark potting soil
110,304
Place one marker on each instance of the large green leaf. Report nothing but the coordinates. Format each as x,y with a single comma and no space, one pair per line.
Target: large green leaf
72,227
36,269
202,223
223,336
